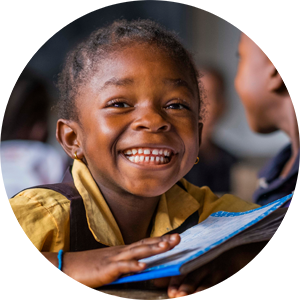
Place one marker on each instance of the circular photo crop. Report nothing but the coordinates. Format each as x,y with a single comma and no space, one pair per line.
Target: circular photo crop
149,150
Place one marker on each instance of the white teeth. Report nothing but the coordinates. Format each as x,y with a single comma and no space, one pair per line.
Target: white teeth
147,159
159,156
148,151
128,152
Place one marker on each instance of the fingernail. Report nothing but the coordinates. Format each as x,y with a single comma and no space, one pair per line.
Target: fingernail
162,244
181,294
172,292
173,237
141,264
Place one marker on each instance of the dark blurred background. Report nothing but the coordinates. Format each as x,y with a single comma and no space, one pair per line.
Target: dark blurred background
213,42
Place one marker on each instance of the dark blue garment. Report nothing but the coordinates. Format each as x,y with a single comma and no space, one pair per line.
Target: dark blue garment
215,172
271,185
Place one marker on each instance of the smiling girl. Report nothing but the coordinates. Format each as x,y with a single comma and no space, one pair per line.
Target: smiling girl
129,116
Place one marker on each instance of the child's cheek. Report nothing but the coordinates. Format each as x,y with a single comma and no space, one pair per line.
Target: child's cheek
191,147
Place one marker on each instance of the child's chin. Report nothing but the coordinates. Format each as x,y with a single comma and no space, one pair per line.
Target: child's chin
149,191
149,194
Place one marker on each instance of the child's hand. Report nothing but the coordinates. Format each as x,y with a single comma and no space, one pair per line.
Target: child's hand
212,273
95,268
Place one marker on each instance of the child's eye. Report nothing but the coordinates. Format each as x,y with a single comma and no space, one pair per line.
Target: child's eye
117,103
120,104
177,105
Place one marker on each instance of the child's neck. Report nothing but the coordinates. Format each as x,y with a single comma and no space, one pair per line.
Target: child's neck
289,125
295,149
133,214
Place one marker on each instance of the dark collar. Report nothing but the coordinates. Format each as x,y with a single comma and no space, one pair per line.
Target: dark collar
274,167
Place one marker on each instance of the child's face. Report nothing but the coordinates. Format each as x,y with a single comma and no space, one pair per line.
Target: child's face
251,83
216,103
139,120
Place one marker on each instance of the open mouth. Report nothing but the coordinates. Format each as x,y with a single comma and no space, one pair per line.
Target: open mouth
149,156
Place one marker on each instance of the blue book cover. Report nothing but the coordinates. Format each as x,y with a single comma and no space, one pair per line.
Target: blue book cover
201,238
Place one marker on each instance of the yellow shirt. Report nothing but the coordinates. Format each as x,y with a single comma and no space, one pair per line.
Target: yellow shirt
45,214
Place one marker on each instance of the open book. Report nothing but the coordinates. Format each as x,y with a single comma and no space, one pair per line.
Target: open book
220,232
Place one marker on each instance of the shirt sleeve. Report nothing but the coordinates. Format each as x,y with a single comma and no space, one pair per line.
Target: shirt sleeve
44,216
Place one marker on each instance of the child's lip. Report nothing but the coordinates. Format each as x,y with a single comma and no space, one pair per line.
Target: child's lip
149,161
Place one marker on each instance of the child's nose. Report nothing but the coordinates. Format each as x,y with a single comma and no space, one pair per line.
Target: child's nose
151,120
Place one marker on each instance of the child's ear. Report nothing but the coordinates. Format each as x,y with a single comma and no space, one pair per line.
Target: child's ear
200,128
67,134
275,81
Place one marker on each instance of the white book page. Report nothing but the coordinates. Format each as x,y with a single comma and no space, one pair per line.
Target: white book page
216,229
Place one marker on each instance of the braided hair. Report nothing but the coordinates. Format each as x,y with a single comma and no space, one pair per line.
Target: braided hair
83,61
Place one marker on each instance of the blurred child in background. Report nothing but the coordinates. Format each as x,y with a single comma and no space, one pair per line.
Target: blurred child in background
26,159
268,108
215,163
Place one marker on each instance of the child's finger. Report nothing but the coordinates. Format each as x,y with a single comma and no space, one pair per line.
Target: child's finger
210,281
202,288
162,282
191,283
118,268
174,285
188,284
142,251
185,289
171,238
127,266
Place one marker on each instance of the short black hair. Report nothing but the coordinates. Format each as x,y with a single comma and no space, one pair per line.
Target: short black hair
83,60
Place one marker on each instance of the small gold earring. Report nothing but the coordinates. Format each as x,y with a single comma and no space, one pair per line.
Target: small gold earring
75,155
197,160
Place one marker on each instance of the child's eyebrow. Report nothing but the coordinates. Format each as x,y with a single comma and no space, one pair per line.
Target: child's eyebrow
117,82
178,82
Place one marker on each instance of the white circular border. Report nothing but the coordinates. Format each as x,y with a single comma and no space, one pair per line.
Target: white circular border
26,25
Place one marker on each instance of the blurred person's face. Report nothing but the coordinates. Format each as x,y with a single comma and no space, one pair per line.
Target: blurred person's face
215,100
252,85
